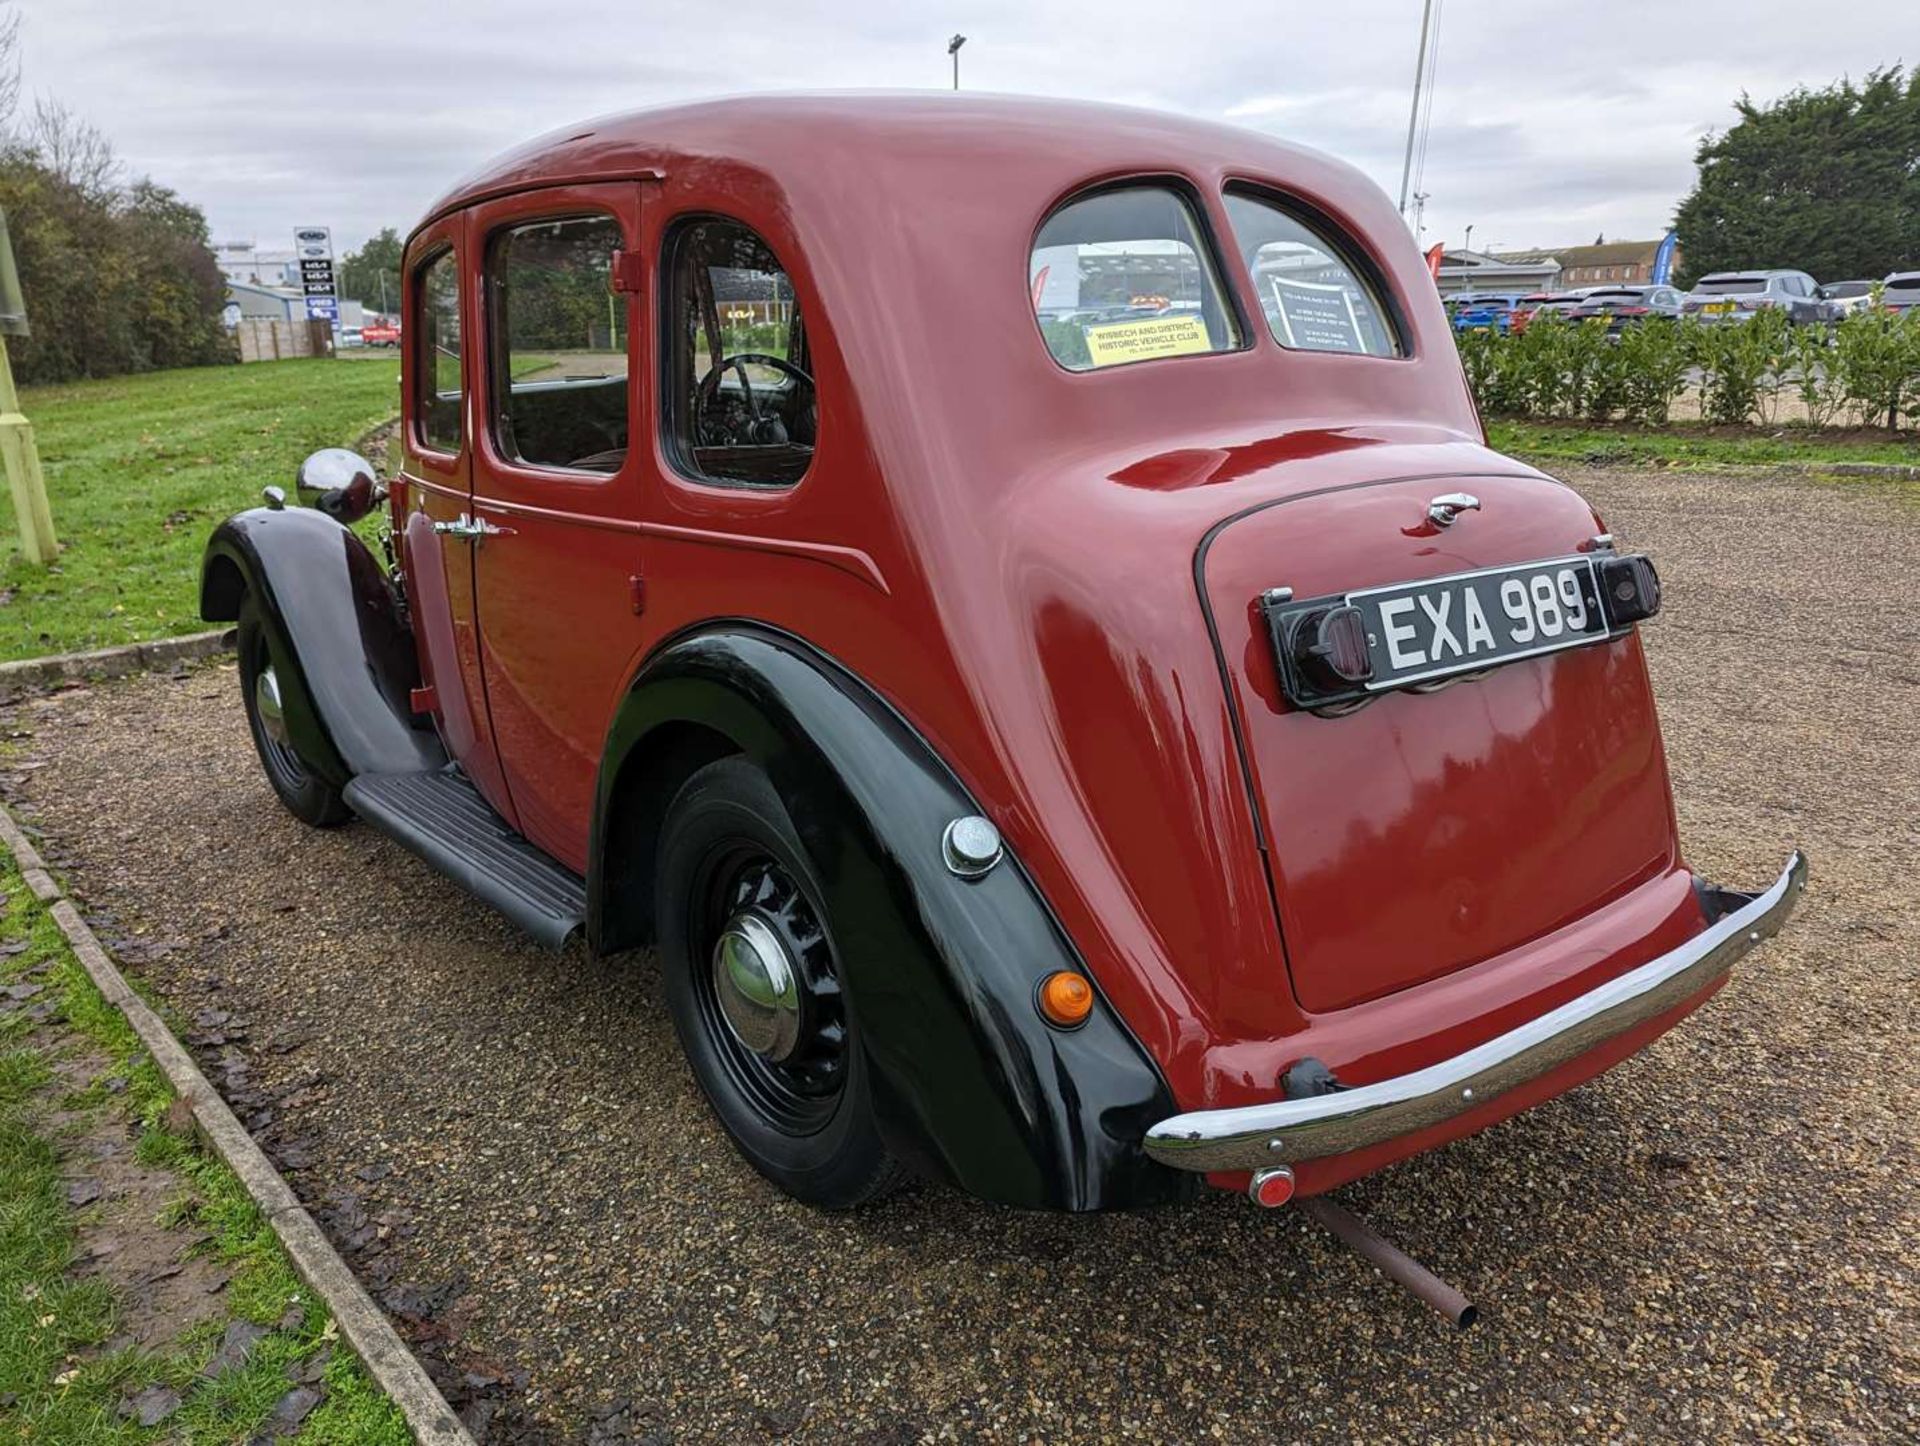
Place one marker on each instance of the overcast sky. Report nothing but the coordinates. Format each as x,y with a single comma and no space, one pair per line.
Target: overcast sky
1551,123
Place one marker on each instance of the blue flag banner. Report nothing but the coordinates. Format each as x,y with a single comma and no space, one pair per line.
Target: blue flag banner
1663,259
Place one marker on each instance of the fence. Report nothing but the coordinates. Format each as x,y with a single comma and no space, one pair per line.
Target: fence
264,339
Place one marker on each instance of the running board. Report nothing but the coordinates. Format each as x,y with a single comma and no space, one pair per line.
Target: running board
441,817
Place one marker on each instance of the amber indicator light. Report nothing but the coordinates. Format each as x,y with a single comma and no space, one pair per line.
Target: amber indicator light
1066,999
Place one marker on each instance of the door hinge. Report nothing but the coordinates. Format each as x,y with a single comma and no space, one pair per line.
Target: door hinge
627,271
424,700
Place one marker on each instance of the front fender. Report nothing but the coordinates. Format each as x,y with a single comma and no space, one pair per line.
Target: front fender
971,1086
342,652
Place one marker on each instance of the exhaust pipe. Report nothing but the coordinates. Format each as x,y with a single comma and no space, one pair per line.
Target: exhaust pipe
1399,1266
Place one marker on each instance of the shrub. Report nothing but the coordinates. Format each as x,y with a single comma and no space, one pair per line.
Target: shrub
1735,359
115,280
1876,355
1816,377
1654,358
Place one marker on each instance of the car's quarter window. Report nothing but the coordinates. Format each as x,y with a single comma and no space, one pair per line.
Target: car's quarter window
436,328
557,337
1124,275
1315,295
739,393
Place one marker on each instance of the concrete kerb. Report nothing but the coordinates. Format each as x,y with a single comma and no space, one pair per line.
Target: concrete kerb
32,674
367,1332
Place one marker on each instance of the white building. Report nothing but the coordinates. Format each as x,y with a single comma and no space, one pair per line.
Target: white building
1470,271
244,263
281,303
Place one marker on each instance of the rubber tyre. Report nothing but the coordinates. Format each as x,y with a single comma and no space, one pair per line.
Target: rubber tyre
306,795
727,809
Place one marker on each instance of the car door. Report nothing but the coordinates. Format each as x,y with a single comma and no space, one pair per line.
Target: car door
557,548
434,490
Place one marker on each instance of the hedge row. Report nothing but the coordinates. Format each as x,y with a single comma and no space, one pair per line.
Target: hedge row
1864,370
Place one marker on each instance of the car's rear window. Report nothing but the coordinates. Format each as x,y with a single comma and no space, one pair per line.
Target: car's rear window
1731,285
1124,275
1903,286
1624,293
1315,294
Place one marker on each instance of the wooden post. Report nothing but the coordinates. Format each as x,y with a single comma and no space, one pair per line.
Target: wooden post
29,489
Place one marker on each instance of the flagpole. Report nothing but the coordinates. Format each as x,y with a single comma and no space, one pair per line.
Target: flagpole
1413,114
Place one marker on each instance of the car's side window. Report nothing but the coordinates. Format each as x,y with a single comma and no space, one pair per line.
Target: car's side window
739,393
439,376
1123,275
1315,293
557,337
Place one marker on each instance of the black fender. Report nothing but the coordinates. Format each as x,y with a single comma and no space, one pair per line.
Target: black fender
971,1086
342,651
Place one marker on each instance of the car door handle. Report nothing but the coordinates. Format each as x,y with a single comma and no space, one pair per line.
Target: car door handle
471,528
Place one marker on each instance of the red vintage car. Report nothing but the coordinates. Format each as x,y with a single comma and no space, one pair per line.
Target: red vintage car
1012,600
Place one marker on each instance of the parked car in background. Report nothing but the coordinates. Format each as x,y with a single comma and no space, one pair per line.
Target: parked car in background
1847,296
1738,295
1224,768
1491,310
1902,291
1558,303
1524,308
348,336
380,333
1625,306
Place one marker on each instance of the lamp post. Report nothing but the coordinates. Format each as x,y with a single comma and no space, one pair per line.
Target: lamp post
953,49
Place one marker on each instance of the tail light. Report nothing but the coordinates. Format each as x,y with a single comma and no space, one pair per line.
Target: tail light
1333,645
1630,587
1630,311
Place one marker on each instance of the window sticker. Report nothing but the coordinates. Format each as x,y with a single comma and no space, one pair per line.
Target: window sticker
1313,317
1131,341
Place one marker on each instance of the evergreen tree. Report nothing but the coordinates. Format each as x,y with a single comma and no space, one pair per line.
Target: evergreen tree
1826,181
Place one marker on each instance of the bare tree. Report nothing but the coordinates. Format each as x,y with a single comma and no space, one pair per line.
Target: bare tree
9,65
75,150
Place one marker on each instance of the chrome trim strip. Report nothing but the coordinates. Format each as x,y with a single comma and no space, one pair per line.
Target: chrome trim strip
1285,1131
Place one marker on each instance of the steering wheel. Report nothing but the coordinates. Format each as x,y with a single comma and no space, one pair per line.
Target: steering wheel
763,429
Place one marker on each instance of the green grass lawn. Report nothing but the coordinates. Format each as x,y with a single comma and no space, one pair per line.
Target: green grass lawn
140,469
63,1376
1691,444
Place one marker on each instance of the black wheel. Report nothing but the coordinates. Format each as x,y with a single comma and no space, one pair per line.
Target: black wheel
308,797
753,983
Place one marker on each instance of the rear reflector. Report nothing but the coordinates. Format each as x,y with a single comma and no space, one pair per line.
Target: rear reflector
1269,1188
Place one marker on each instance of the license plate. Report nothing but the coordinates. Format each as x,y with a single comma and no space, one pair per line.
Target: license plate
1474,620
1346,647
1718,307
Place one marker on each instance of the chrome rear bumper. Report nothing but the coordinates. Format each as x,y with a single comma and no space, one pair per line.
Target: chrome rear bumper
1287,1131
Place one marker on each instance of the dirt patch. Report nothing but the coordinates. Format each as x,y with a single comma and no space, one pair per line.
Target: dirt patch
163,1283
1712,1242
164,1287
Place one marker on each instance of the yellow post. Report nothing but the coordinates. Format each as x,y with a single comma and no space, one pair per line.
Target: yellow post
23,471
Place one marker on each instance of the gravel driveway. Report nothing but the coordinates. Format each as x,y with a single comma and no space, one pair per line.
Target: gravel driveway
1715,1241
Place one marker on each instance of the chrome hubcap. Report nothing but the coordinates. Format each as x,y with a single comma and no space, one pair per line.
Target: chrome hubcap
266,704
758,986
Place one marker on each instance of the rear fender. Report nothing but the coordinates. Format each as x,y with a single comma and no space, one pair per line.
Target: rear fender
971,1086
342,652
